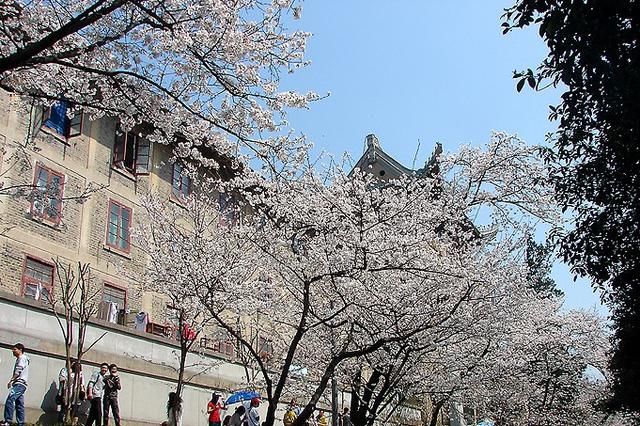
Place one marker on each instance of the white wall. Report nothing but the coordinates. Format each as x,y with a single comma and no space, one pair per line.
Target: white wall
146,379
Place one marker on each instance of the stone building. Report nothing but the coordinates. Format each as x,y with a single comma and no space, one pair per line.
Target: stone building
52,162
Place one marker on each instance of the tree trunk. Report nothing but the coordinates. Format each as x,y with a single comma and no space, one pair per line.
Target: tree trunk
361,412
184,349
334,401
435,412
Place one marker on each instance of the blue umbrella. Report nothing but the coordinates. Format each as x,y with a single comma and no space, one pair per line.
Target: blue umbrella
242,396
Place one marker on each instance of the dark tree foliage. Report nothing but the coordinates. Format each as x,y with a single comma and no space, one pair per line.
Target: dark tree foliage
539,260
594,55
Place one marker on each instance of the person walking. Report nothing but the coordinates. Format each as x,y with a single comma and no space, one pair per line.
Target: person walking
17,386
111,388
214,409
291,413
346,417
75,394
321,419
95,391
252,418
236,419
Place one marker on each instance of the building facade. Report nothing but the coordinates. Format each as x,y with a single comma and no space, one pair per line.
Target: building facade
71,191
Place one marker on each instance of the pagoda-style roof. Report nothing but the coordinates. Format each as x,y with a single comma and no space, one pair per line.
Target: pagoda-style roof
377,162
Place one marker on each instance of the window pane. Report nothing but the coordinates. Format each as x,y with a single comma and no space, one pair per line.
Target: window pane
186,183
112,236
142,156
42,178
126,214
125,221
177,170
55,183
124,239
53,211
113,221
114,214
75,125
39,271
55,196
44,294
31,291
57,119
118,148
129,152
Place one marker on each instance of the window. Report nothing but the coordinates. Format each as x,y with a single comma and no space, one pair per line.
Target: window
221,342
37,279
46,202
56,118
118,226
265,348
229,211
224,347
181,183
131,152
113,294
114,300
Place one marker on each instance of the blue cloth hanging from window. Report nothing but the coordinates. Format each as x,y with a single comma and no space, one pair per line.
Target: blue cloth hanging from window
57,119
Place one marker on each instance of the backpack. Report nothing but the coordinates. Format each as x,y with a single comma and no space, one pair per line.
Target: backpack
289,418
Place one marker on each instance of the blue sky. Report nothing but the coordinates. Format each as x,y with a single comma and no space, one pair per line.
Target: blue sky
420,70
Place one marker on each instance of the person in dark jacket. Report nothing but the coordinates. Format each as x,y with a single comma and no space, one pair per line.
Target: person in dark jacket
110,396
237,418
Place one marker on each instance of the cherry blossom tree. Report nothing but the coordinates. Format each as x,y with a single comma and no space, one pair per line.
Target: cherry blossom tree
442,367
500,191
74,302
346,269
188,317
550,369
202,75
519,360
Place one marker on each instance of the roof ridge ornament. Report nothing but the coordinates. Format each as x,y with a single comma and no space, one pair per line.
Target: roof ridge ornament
372,141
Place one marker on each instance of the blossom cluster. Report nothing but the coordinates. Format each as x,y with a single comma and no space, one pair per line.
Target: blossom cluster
358,275
204,72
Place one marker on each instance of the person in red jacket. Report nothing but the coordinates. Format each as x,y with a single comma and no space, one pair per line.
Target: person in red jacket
214,408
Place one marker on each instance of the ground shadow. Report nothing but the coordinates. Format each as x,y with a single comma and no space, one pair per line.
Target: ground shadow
49,407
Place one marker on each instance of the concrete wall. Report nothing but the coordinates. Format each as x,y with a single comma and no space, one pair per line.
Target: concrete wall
143,359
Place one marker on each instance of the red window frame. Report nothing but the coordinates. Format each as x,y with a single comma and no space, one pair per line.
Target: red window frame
118,235
29,280
103,311
45,214
179,181
225,347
